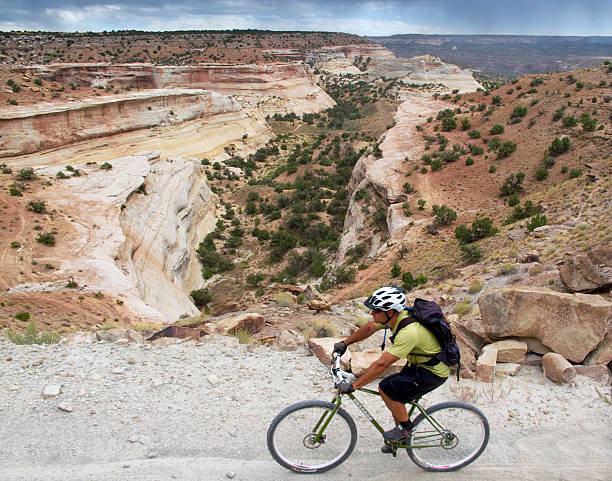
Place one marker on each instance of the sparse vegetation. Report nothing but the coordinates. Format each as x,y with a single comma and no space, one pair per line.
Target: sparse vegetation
31,335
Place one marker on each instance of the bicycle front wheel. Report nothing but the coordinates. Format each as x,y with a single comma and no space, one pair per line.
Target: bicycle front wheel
307,437
457,434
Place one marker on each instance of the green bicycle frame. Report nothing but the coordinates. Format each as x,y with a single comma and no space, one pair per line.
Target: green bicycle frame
323,422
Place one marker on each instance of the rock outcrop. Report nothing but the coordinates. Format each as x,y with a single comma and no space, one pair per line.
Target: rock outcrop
385,178
572,325
24,130
136,228
590,272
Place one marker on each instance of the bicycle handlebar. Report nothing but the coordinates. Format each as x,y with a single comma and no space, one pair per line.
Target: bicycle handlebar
337,373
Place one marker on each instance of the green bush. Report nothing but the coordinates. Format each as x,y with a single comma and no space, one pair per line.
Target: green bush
474,134
507,268
26,174
201,297
15,190
409,282
22,316
31,335
255,279
492,169
575,173
469,161
541,173
559,146
106,166
48,238
505,149
588,123
443,215
396,270
497,129
36,206
15,245
513,184
570,121
519,111
481,228
536,221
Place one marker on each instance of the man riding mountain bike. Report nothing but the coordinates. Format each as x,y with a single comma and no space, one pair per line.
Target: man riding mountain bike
413,342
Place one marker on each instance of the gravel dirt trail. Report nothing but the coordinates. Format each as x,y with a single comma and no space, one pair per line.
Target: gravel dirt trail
201,412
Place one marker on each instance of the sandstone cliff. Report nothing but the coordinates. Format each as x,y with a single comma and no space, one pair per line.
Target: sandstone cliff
135,229
24,130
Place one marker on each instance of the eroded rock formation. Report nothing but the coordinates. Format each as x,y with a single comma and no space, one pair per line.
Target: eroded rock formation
24,130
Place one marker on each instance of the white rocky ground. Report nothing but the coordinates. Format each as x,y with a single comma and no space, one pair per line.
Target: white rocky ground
200,412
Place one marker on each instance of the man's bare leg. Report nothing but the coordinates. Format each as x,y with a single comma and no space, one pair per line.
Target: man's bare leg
398,409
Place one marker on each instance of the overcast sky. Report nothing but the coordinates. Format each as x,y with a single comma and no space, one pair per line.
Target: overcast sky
526,17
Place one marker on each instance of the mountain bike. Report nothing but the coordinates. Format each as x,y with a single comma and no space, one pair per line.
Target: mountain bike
316,436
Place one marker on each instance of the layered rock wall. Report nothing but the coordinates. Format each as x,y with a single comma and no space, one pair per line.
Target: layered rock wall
25,130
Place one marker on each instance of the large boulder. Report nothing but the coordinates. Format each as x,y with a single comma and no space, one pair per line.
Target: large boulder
250,322
590,272
361,361
572,325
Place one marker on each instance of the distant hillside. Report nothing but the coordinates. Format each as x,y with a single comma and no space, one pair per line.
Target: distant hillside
510,55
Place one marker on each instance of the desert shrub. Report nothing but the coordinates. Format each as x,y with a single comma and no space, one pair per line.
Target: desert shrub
536,221
481,227
409,282
48,238
575,173
570,121
408,189
201,297
106,166
436,164
512,184
476,149
475,286
26,174
448,124
22,316
559,146
469,161
588,123
519,111
243,336
462,308
505,149
465,124
36,206
494,144
324,328
474,134
396,270
15,245
541,173
492,169
31,335
507,268
513,200
443,215
15,190
497,129
255,278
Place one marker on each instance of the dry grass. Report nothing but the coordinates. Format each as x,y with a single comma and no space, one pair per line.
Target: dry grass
465,393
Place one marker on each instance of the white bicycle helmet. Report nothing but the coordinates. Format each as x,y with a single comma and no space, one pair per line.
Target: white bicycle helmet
386,299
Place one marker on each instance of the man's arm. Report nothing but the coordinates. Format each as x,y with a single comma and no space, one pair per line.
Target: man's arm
375,370
362,333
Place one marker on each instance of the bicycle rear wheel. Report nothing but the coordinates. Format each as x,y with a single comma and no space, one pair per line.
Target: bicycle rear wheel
463,437
299,440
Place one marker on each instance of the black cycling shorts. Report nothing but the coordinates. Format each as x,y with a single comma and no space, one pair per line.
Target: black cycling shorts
410,383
